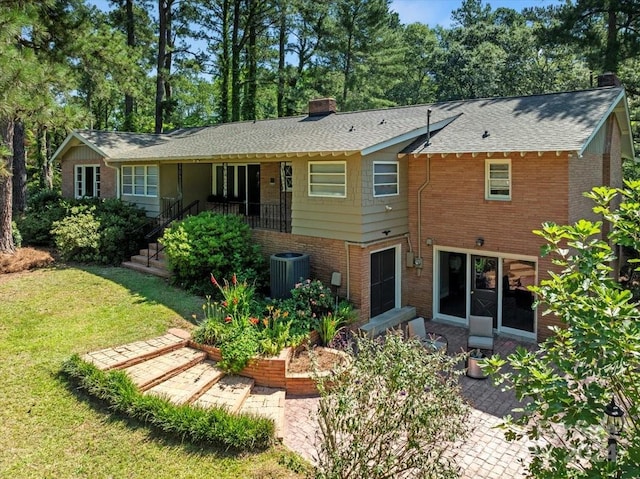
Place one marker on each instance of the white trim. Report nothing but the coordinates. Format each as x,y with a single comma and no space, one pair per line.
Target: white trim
146,184
331,185
398,272
464,321
409,136
96,182
487,179
79,137
397,182
603,119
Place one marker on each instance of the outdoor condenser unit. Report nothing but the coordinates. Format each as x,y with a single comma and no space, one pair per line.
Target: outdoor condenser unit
287,269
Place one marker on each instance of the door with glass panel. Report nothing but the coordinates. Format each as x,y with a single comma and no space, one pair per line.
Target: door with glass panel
484,287
452,284
517,300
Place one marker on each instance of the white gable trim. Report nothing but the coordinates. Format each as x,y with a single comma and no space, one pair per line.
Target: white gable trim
66,145
408,136
625,131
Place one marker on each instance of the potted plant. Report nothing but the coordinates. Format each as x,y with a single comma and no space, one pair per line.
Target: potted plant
473,364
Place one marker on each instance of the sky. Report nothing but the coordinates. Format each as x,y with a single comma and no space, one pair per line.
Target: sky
430,12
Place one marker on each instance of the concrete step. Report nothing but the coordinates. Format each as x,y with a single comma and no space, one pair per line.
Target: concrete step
390,319
159,369
154,263
145,253
190,384
230,393
137,352
269,403
142,268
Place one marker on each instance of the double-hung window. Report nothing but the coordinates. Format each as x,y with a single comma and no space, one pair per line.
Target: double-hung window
328,178
498,179
87,181
140,180
385,178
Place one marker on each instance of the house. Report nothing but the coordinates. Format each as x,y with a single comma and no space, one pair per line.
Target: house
427,209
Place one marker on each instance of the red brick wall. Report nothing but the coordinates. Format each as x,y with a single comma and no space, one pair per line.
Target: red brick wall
108,182
327,256
455,212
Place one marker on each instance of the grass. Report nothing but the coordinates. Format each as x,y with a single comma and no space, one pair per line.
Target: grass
49,429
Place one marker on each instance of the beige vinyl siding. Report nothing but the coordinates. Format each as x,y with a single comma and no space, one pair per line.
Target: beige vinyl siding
82,152
384,213
597,144
360,217
327,217
196,183
169,181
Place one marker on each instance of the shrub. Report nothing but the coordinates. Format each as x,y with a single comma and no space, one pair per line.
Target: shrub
77,236
17,237
215,426
212,243
43,209
392,393
100,231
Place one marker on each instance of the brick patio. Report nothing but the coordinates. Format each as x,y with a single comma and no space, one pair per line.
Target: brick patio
485,453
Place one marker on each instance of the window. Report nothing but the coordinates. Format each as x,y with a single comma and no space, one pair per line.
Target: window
87,181
140,180
385,178
498,180
286,173
328,178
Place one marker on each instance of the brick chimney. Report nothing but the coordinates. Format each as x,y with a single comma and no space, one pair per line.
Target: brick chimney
322,106
608,79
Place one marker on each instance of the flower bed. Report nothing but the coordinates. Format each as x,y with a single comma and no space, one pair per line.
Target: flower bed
273,371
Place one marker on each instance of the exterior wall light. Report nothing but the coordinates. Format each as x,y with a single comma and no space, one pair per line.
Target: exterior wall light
479,242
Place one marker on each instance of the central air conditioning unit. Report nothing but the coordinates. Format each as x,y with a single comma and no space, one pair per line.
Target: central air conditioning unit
287,269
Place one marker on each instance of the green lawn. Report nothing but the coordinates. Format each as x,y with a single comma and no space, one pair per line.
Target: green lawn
50,430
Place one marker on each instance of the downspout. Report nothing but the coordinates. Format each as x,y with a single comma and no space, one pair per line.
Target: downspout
420,190
117,170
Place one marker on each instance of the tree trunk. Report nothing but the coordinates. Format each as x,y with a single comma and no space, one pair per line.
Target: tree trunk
249,110
168,60
46,169
19,202
131,43
162,50
235,62
224,64
612,48
6,188
282,45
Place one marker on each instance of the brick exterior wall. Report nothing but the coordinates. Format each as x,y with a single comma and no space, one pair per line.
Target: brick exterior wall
329,255
108,178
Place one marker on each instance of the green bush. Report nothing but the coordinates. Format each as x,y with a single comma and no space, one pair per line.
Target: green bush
77,236
216,426
99,231
43,209
17,237
211,243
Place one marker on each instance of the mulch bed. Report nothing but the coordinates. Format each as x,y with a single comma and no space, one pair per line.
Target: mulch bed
25,259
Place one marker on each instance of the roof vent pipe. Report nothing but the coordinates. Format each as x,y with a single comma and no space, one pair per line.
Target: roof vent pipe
428,127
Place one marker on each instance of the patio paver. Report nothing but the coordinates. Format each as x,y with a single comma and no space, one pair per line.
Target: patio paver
485,454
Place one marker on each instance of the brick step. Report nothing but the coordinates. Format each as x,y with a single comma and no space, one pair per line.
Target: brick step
142,268
230,392
159,369
137,352
190,384
269,403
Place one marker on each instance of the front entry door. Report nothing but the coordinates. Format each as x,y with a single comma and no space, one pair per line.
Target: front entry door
484,287
383,281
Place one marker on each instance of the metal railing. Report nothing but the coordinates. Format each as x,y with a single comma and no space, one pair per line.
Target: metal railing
267,216
174,211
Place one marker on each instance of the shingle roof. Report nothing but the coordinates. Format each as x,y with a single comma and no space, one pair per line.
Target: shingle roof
551,122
